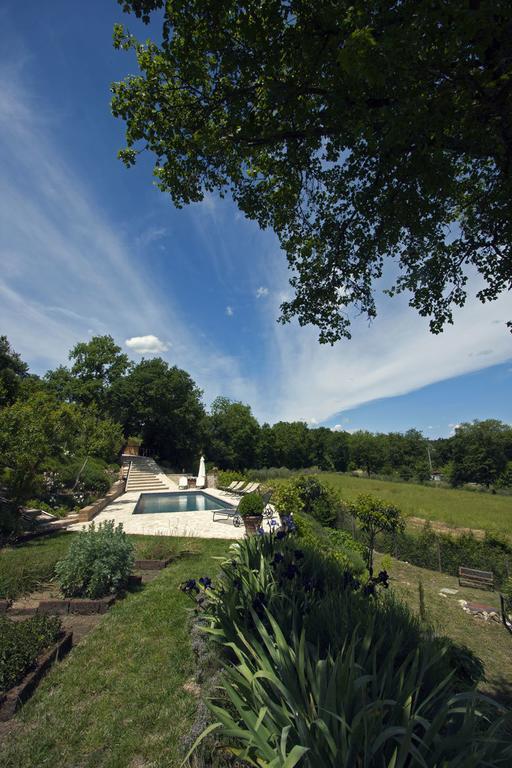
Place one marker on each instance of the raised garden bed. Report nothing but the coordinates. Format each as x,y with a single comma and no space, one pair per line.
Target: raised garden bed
153,565
84,605
11,700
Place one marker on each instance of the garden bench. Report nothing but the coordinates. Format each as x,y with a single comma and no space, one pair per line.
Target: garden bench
471,577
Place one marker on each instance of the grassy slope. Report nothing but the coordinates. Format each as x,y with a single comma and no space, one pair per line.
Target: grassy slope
23,568
453,507
118,699
490,641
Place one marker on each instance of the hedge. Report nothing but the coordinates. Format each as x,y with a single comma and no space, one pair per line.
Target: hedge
21,642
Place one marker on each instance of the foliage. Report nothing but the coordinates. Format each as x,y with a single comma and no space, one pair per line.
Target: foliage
324,671
480,452
232,434
251,505
507,594
286,499
336,544
318,500
98,563
227,476
162,404
21,642
375,516
354,156
12,371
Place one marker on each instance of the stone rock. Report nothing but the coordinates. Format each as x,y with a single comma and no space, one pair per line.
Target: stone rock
448,591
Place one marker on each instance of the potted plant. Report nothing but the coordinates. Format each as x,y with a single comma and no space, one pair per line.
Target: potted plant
250,510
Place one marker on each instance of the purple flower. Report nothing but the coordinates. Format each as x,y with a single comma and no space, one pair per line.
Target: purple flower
280,535
206,582
260,531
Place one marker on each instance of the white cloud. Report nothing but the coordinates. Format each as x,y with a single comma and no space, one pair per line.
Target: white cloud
262,291
230,311
147,344
337,428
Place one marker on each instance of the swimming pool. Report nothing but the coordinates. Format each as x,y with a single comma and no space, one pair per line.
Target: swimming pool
192,501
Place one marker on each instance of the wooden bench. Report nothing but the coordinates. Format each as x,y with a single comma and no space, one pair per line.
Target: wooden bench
471,577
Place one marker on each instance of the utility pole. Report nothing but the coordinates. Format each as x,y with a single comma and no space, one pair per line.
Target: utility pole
429,460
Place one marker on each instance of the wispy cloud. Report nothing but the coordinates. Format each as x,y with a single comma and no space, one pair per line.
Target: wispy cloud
262,291
66,269
230,311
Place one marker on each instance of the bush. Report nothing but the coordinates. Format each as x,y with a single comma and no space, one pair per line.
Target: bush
338,545
251,505
226,477
286,500
98,563
318,500
21,642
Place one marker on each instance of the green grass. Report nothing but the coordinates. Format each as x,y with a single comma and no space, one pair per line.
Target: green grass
490,641
118,700
460,509
23,568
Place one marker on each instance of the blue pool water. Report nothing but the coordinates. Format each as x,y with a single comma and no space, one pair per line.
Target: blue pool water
192,501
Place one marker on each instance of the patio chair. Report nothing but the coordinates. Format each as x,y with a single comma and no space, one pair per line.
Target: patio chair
268,509
251,488
183,483
237,489
230,486
231,513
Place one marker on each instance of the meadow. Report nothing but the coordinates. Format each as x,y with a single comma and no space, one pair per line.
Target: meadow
455,508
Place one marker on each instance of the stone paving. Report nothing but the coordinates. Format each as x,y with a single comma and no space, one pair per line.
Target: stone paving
193,524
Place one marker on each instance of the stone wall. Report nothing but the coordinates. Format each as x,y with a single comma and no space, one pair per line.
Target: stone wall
87,513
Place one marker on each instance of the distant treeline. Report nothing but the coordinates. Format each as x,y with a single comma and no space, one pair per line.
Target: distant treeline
162,406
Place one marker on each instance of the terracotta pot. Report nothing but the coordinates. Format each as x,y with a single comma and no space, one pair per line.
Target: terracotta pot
252,523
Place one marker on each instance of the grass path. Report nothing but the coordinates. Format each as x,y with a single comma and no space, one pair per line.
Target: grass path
490,641
460,509
118,700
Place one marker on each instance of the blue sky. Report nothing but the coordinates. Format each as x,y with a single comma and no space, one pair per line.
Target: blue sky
87,247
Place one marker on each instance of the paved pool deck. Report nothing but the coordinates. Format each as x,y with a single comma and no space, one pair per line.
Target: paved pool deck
193,524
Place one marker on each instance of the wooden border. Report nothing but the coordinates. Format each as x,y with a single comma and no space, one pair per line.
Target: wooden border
11,700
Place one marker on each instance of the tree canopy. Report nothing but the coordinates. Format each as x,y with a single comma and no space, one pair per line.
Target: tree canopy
374,138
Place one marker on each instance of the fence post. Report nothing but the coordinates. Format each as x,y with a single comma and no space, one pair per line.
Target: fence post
395,546
439,556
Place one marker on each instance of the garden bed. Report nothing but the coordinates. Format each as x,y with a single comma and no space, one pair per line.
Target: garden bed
11,700
153,565
85,605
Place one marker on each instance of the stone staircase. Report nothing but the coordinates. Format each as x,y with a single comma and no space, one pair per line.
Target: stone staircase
145,475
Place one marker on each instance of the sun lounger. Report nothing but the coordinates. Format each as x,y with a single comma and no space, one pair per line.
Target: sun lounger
232,514
229,487
251,488
183,483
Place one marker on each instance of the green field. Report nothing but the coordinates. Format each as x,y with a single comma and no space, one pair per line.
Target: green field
460,509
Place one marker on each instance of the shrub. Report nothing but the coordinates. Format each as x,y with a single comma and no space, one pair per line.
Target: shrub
98,563
251,505
332,543
287,500
375,516
226,477
21,642
318,500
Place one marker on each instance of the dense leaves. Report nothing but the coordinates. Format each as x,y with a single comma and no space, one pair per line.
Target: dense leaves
374,138
98,563
21,642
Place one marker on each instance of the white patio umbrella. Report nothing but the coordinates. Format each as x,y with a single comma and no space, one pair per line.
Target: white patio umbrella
201,475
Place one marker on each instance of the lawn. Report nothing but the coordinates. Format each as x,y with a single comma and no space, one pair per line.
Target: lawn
453,507
23,568
118,700
490,641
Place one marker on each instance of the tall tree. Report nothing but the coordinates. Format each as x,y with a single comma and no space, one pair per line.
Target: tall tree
367,451
233,434
292,440
480,451
97,365
162,404
360,131
12,371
